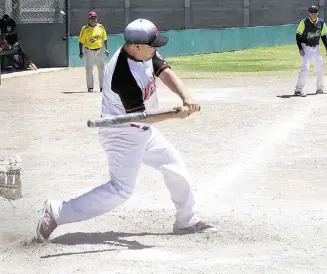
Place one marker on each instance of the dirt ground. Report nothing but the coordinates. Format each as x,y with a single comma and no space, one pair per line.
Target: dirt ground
258,163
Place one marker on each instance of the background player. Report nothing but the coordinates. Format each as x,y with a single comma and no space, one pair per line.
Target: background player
91,39
308,35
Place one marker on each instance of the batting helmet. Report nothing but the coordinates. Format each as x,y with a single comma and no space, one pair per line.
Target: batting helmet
313,9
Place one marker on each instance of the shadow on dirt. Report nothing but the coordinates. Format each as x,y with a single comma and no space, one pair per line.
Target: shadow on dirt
112,238
292,95
77,92
75,253
108,238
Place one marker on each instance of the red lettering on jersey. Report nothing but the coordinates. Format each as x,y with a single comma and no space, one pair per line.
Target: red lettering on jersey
149,90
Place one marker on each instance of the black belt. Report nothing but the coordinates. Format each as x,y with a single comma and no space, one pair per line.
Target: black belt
311,46
144,127
92,49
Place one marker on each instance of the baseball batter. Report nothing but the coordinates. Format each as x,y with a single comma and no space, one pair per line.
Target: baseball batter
130,86
308,35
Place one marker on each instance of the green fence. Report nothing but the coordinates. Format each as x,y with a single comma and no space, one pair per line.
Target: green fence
188,42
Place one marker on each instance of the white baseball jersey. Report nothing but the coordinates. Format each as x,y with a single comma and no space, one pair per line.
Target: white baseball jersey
129,85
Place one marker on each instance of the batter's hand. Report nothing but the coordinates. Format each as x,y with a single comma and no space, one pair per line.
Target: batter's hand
106,53
301,52
81,55
182,113
192,105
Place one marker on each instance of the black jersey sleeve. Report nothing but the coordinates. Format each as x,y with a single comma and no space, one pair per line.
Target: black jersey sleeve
125,85
159,64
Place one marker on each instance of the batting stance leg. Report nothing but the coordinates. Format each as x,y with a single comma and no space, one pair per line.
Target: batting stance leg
126,148
164,157
303,75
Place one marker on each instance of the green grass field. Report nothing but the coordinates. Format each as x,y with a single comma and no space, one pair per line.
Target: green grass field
281,60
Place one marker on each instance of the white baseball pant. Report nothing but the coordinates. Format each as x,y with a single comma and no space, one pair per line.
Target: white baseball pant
92,57
309,54
126,147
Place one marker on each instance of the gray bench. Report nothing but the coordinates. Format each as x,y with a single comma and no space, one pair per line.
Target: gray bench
6,53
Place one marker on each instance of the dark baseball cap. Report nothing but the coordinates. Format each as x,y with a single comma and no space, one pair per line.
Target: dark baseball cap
92,14
313,9
143,31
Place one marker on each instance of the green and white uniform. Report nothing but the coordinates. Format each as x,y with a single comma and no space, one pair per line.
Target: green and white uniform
308,36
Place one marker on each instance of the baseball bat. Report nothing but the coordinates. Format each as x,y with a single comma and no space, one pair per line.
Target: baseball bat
127,118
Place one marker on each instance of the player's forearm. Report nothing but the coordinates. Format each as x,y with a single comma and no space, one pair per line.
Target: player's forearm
106,44
172,81
299,41
80,47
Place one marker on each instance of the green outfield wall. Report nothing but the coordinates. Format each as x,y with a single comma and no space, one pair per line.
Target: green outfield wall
196,41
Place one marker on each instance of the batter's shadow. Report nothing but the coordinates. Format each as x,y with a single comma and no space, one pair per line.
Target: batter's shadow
111,238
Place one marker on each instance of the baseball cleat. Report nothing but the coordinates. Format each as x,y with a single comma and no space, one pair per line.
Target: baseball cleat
90,90
319,91
100,89
299,93
200,226
46,225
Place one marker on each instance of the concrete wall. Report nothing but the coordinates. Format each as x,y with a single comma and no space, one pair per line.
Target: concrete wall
188,42
44,43
192,14
111,14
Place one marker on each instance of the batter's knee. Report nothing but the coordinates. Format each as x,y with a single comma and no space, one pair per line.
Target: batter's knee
172,155
124,192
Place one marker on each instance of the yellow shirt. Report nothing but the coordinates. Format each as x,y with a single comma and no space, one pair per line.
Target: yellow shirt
92,38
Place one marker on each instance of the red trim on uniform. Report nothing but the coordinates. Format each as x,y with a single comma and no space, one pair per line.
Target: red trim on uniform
163,66
141,127
132,109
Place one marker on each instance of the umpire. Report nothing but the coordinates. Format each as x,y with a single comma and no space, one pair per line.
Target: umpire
91,39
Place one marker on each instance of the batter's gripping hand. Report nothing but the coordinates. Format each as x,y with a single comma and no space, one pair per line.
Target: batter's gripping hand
106,53
187,110
192,105
81,55
301,52
183,112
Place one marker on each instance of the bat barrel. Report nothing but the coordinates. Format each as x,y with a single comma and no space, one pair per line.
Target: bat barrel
127,118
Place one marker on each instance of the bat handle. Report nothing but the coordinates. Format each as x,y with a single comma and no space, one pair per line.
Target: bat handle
91,123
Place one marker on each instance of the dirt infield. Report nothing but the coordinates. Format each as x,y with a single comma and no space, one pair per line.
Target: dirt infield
258,163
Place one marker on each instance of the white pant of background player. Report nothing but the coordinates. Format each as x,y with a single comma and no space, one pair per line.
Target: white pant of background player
309,54
91,58
126,148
